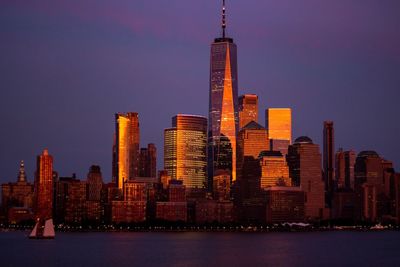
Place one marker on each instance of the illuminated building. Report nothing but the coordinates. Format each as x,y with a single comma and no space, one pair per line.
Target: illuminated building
185,150
148,161
175,209
44,186
329,159
278,122
222,185
126,147
284,204
248,109
304,160
75,207
164,178
344,174
274,169
223,105
16,196
252,139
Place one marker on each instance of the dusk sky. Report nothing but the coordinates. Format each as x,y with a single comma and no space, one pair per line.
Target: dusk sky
67,66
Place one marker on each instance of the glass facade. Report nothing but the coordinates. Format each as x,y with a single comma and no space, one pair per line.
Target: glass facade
223,107
185,150
278,122
126,147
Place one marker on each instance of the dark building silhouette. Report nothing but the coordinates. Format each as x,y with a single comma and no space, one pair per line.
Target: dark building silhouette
329,159
304,160
94,183
344,174
148,161
223,105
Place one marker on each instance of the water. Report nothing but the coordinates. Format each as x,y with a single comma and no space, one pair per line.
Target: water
203,249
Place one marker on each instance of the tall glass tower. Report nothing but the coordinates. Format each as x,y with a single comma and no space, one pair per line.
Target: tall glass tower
223,105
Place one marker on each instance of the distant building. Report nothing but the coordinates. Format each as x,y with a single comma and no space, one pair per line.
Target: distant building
278,122
94,183
18,194
175,209
329,159
148,161
222,185
248,109
304,160
164,178
213,211
126,150
274,169
185,150
284,204
344,174
44,186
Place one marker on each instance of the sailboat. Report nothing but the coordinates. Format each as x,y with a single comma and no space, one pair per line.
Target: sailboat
43,230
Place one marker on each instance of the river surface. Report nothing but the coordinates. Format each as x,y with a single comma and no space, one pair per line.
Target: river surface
335,248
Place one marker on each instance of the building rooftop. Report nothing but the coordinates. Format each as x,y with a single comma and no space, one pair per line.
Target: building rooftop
303,140
270,153
253,126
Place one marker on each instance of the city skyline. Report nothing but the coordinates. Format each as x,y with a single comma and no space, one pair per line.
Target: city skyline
76,144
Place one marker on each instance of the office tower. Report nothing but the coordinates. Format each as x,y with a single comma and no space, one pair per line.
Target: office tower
223,105
248,109
304,160
44,186
252,139
17,195
278,122
94,183
274,169
329,160
185,150
344,171
148,161
279,145
127,147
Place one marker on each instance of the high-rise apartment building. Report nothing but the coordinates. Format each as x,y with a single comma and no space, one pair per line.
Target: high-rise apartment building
278,122
304,160
94,183
248,109
329,158
223,105
44,186
185,150
126,147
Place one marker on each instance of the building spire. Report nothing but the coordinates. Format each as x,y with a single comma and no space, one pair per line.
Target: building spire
21,174
223,19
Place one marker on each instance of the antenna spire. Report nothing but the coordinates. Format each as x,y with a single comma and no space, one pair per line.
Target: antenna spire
223,19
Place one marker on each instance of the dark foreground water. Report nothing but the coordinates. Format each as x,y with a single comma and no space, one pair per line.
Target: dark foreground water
203,249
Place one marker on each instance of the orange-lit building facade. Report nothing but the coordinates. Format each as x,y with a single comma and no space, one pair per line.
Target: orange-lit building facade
274,169
126,150
44,186
278,122
252,140
185,150
248,109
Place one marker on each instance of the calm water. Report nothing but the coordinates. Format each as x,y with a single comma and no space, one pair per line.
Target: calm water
203,249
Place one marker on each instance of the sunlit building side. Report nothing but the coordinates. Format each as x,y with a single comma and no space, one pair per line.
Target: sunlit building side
278,122
248,109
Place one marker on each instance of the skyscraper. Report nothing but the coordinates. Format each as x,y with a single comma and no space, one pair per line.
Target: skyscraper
126,147
304,160
185,150
344,173
44,186
248,109
278,122
223,105
148,161
329,158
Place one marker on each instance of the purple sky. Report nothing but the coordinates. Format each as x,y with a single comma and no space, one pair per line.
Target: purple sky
67,66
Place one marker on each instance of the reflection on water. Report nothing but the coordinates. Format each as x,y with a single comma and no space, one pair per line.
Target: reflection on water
202,249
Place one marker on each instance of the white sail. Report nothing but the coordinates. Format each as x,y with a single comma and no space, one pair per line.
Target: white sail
49,229
34,231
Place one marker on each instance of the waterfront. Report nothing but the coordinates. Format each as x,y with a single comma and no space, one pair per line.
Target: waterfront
331,248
